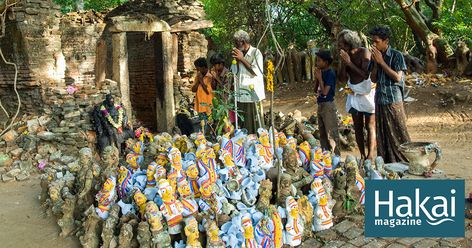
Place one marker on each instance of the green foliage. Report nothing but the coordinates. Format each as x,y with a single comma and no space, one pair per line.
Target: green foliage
223,103
456,23
293,22
99,5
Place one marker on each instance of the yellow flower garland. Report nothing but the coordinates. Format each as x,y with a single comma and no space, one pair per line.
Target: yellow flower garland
110,119
270,76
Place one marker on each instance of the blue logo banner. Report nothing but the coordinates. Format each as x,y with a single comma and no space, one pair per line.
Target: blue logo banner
414,208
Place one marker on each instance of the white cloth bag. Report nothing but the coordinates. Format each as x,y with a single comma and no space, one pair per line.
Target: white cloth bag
363,98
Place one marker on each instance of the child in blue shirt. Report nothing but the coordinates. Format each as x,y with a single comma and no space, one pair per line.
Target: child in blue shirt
325,86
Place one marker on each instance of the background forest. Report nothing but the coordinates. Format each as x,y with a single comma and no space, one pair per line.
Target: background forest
427,29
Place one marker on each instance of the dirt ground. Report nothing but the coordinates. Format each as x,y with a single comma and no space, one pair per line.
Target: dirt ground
23,224
22,221
441,113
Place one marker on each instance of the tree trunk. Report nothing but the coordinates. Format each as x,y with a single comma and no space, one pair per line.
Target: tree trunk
290,66
416,22
332,26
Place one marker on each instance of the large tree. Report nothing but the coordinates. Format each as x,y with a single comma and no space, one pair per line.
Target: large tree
437,48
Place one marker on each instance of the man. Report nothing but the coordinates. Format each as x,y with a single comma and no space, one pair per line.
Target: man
203,92
249,81
388,70
360,103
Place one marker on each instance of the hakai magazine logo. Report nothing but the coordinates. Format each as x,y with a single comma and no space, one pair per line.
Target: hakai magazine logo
414,208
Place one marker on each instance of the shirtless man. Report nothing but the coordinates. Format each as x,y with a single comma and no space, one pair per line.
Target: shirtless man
354,69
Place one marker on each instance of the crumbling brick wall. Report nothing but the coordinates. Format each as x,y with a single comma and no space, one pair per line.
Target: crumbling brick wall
192,45
32,42
49,51
52,51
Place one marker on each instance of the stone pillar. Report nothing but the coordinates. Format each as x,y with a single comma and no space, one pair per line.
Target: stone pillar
120,68
100,62
166,113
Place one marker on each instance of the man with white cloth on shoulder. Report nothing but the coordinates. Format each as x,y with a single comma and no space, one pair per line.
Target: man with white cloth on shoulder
249,81
360,102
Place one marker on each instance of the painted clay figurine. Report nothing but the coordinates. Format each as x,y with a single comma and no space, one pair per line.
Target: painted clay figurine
175,158
264,150
207,164
294,227
306,212
191,231
248,232
263,232
125,184
286,189
323,217
299,176
192,174
140,201
160,236
106,197
190,206
171,208
150,174
316,165
304,152
213,240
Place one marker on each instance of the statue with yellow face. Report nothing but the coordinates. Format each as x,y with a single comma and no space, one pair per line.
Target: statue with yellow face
213,240
207,164
192,173
106,197
132,160
160,173
191,231
318,154
172,178
175,158
292,142
161,159
153,216
264,137
294,226
150,174
138,147
184,188
206,191
201,140
304,153
171,208
124,182
140,200
248,231
327,161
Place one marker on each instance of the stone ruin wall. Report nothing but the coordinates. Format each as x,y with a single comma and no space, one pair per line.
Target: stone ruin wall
53,51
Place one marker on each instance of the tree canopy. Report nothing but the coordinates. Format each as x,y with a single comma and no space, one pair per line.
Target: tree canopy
415,24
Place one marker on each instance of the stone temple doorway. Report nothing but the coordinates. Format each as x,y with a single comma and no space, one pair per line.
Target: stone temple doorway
145,77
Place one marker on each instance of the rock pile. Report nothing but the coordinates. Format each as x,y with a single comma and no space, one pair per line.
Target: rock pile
65,128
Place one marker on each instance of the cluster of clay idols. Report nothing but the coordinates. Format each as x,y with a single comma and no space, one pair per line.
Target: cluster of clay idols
188,192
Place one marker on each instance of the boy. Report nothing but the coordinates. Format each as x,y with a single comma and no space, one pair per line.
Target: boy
204,92
388,71
327,114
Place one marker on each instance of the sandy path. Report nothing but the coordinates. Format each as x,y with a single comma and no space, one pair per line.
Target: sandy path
22,222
